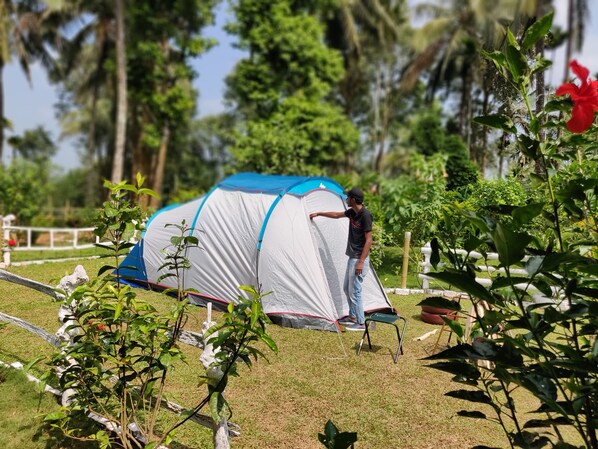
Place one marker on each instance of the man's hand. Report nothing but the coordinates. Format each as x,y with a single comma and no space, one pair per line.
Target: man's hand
312,216
359,268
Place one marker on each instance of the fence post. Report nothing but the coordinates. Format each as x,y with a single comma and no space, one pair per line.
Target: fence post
405,259
427,252
6,223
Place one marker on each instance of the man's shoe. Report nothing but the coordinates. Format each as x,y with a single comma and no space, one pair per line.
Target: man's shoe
346,321
356,327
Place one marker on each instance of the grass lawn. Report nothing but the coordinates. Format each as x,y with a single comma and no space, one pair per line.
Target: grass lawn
285,402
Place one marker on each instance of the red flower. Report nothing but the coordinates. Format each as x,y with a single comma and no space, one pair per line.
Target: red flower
11,243
585,98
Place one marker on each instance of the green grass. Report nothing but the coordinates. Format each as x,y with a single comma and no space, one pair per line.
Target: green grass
20,256
391,269
22,407
284,403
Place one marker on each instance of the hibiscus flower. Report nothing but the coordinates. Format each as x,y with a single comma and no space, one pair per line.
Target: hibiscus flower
585,98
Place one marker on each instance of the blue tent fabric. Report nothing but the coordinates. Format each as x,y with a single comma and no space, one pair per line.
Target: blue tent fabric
133,267
277,184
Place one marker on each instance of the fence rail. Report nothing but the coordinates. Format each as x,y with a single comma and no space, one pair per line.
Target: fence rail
57,238
426,265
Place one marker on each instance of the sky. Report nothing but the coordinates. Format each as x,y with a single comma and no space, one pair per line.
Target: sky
28,106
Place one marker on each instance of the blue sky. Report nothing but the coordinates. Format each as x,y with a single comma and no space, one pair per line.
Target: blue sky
30,106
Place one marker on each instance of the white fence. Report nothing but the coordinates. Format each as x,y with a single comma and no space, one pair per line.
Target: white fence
486,281
53,238
38,238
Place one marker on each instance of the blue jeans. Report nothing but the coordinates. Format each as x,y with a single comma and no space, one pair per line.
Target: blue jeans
353,286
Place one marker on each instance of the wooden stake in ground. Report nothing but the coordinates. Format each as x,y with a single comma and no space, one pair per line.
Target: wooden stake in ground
405,259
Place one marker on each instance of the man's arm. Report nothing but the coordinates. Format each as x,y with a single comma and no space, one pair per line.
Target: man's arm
364,252
327,214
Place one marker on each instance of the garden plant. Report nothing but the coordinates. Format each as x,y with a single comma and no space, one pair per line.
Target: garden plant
535,332
122,349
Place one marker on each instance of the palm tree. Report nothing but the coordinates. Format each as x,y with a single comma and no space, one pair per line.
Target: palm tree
85,79
23,27
368,33
448,44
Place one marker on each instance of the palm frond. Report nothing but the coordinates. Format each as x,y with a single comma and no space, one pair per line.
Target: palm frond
431,32
420,63
349,26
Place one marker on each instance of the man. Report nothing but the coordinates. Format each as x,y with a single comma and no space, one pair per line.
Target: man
359,243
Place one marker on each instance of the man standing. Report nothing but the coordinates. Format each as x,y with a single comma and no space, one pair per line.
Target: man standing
359,243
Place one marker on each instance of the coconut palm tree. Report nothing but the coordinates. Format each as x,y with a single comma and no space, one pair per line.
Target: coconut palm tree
368,34
456,30
85,78
447,45
24,26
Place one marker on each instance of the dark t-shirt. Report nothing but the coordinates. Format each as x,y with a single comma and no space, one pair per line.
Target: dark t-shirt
359,224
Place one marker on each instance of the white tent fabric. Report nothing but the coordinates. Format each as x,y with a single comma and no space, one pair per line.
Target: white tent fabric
255,230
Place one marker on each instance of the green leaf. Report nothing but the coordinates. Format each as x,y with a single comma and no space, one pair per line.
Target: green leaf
440,302
510,245
525,214
118,310
55,416
472,243
33,362
497,57
537,31
165,359
269,342
330,429
563,104
148,192
217,406
541,386
345,440
464,283
498,121
528,146
105,268
516,62
454,326
512,39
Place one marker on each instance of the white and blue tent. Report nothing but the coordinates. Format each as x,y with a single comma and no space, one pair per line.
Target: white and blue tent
255,230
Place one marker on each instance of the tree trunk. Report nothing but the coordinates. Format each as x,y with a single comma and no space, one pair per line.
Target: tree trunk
141,163
501,154
118,162
539,167
2,120
92,170
569,42
484,129
160,167
384,119
465,106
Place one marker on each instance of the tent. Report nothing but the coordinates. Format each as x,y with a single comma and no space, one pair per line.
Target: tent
255,230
